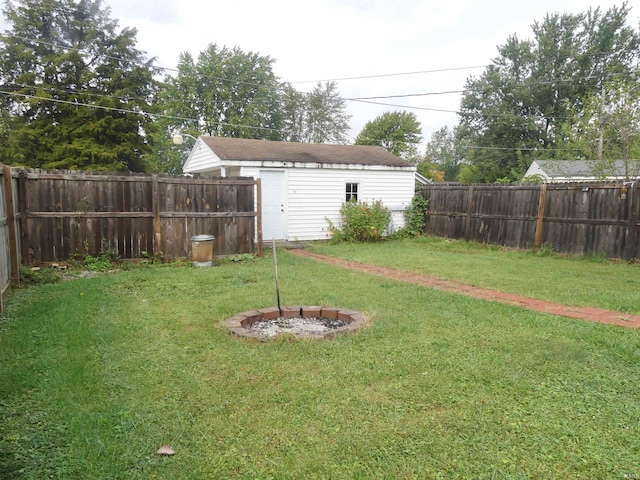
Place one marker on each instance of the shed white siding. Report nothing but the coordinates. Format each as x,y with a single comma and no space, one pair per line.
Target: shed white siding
314,190
202,159
534,169
315,196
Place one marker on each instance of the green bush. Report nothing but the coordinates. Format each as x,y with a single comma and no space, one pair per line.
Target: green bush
362,222
42,276
104,261
414,217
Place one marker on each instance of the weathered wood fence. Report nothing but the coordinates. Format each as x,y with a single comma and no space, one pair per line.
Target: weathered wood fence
572,218
59,215
9,246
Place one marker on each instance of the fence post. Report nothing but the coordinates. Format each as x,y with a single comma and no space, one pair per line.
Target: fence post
469,211
11,224
259,214
27,257
631,241
537,243
157,232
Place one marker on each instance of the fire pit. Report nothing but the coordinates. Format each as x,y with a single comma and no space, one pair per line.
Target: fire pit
317,323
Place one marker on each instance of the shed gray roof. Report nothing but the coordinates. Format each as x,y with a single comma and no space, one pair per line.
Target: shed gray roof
265,150
576,168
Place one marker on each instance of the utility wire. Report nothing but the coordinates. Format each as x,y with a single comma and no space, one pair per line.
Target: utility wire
175,70
355,99
71,91
447,92
408,95
383,75
173,117
124,110
401,106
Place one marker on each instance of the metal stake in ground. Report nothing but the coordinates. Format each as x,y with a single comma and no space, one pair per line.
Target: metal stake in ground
275,265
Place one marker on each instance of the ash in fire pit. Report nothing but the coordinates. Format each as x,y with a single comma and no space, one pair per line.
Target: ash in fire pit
302,322
296,326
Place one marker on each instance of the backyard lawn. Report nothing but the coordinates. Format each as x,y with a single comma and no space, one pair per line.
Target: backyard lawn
97,373
581,281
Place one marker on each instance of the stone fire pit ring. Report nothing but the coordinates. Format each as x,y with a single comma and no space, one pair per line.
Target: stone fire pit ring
341,320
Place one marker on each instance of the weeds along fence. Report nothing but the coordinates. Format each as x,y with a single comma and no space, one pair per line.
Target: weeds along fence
58,215
580,219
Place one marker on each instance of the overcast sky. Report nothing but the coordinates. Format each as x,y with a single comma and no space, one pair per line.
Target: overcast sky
314,40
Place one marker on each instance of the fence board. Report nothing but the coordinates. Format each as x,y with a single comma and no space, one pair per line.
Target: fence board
66,214
572,218
5,257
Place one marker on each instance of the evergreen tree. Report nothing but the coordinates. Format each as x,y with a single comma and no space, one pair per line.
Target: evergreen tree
75,90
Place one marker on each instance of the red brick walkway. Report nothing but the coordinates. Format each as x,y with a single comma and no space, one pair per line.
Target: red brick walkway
581,313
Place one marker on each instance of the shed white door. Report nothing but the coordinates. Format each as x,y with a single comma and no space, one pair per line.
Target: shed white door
273,205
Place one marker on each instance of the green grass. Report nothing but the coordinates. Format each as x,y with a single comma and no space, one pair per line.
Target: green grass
97,373
578,281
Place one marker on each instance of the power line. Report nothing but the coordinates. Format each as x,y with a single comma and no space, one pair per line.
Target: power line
71,91
461,113
542,82
143,113
112,57
173,117
400,106
392,74
80,104
355,99
408,95
124,110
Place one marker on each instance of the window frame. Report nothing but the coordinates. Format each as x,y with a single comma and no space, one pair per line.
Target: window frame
352,191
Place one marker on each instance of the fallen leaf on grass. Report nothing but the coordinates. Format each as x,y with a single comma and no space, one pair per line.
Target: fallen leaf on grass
166,450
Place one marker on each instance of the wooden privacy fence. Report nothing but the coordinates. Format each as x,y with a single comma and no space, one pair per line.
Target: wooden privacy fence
65,214
572,218
9,246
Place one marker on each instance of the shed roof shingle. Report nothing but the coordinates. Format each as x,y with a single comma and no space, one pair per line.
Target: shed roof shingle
264,150
578,168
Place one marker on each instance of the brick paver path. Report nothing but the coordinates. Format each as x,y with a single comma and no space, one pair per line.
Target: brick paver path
581,313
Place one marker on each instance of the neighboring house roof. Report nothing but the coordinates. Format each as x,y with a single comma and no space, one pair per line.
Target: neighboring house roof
264,151
576,170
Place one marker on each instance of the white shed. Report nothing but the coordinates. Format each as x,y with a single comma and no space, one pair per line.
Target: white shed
304,185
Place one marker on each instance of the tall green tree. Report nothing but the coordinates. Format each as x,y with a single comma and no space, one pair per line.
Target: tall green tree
397,132
517,109
317,116
75,89
608,130
326,118
223,92
294,113
443,151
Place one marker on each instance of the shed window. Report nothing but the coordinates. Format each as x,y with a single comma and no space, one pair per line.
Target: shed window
352,192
